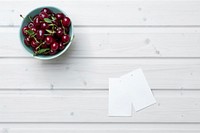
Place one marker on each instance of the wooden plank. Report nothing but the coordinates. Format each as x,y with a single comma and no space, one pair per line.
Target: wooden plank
109,126
93,73
117,13
97,131
91,106
118,42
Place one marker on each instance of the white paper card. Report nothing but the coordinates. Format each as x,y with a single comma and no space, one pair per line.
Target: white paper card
138,89
119,101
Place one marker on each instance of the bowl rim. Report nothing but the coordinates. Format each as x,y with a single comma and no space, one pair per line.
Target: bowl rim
49,57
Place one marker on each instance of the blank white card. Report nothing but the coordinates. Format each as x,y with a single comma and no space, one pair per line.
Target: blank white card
129,89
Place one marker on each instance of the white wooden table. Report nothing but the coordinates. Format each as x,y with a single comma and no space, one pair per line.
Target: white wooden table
113,37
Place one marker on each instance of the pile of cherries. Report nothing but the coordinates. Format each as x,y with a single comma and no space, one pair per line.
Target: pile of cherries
47,33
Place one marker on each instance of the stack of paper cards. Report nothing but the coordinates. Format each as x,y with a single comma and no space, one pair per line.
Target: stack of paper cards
130,90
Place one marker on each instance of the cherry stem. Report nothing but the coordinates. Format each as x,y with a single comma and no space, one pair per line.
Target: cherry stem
30,18
21,16
47,34
40,45
36,39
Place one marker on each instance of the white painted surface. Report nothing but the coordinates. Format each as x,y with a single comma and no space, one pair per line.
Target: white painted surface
70,94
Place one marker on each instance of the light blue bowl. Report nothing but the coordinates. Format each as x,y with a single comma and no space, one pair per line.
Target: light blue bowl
24,23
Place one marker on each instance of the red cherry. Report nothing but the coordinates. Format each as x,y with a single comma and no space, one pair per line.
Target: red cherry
44,26
43,15
34,44
61,46
49,40
46,10
66,21
24,29
34,29
36,21
40,34
44,46
54,46
60,16
52,52
59,32
27,41
65,38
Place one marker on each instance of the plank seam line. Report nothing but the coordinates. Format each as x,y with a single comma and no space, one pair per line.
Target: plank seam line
99,122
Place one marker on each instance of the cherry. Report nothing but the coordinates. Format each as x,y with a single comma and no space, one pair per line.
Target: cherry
40,34
44,46
61,46
34,44
43,15
49,40
36,21
56,22
35,17
59,32
30,25
52,52
66,21
24,29
46,10
54,46
60,16
34,29
27,41
44,26
65,38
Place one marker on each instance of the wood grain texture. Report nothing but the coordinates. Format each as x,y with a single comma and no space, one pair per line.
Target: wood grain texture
93,73
91,106
117,42
120,12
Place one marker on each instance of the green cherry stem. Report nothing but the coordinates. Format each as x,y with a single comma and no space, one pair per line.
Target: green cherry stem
30,18
35,39
40,45
24,18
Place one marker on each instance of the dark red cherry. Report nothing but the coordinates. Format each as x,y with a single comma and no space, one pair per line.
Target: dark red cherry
24,29
59,32
60,16
44,46
66,22
65,38
40,34
46,10
54,46
34,44
43,15
52,52
27,41
44,26
36,21
56,22
49,40
30,25
34,29
61,46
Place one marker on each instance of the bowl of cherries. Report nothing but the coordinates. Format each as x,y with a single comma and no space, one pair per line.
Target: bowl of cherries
46,32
